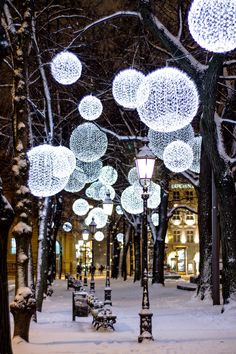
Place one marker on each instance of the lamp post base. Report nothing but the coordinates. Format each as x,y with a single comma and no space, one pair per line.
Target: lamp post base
85,281
145,326
107,296
92,286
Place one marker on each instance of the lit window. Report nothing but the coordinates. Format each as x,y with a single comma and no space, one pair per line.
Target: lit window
13,246
189,218
177,235
190,236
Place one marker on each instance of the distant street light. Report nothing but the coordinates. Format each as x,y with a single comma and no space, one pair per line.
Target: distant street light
92,229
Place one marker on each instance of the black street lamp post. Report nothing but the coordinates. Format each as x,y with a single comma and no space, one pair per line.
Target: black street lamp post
145,161
108,208
92,229
85,235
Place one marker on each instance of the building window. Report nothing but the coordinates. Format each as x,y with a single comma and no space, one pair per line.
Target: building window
177,236
176,215
189,195
176,195
189,218
190,236
13,246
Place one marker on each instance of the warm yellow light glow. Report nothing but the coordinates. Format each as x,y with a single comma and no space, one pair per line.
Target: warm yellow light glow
183,238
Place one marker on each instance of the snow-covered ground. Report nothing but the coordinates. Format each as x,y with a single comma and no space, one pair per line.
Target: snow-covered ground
181,324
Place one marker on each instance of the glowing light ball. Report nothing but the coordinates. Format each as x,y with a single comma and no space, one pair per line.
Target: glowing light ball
158,141
125,86
99,216
91,170
99,236
42,182
88,142
93,190
67,227
131,200
119,210
103,191
90,107
154,199
171,100
75,183
65,163
66,68
133,176
196,144
108,175
80,207
178,156
120,237
155,219
212,24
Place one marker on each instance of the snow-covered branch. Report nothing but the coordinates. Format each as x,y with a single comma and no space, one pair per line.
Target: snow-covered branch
124,137
180,206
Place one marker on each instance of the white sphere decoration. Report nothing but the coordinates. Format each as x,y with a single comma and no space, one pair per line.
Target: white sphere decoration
120,237
133,176
196,144
99,216
119,210
131,200
91,170
108,175
67,227
66,162
154,199
99,236
103,192
88,142
75,183
90,107
66,68
93,190
171,100
212,24
80,207
155,219
42,182
158,141
178,156
125,86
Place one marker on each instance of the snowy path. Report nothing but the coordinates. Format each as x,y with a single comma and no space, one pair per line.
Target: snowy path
181,324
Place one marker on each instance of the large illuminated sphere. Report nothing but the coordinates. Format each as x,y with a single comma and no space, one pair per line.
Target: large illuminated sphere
171,100
90,107
131,200
125,86
91,170
80,207
212,23
103,192
99,236
67,227
119,210
155,219
66,162
66,68
42,182
93,190
99,216
178,156
196,144
133,175
120,237
75,183
88,142
154,199
108,175
158,141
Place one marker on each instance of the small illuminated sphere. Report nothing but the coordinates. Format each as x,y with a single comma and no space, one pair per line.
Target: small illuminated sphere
42,182
119,210
155,219
66,162
133,176
108,175
212,24
178,156
171,100
154,199
90,107
67,227
99,236
66,68
91,170
125,86
103,192
131,200
196,144
88,142
120,237
93,190
75,183
99,216
80,207
158,141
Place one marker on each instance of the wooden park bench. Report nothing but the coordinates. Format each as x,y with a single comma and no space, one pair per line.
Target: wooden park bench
103,317
80,306
73,283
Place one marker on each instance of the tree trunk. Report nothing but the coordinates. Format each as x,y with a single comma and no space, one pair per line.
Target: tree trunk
6,218
115,255
125,251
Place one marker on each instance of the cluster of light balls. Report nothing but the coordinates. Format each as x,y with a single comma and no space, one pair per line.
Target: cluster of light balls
158,141
212,23
80,207
178,156
108,175
168,100
125,86
89,171
196,144
90,107
45,178
99,216
76,182
88,142
66,68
